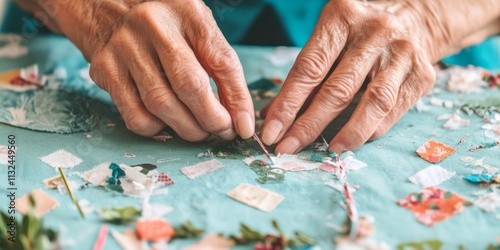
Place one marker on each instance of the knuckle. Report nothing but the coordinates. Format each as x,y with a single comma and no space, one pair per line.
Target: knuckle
158,100
383,98
138,124
223,61
187,83
340,90
311,67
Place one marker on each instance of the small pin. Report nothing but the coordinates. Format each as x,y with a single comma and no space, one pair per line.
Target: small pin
73,197
263,147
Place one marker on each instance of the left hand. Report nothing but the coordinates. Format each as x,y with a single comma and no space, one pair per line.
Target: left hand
362,40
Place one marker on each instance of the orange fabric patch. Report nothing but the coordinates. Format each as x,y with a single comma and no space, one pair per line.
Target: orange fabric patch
434,152
154,229
433,204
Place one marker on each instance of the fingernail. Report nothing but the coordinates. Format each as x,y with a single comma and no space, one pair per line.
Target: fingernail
289,145
228,134
244,125
271,131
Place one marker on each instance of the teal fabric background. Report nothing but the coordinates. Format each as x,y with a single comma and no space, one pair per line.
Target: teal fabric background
273,23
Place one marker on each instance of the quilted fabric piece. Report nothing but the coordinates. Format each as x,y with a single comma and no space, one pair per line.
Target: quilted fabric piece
434,152
433,204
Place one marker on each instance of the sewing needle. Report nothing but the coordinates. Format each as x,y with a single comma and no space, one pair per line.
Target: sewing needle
73,197
263,147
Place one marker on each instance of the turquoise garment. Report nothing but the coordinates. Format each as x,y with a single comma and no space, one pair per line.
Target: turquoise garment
277,22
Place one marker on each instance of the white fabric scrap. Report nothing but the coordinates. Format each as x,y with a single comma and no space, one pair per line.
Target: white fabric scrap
466,80
431,176
420,106
201,168
97,175
294,163
492,129
4,155
352,164
488,168
256,196
441,103
13,48
61,158
454,121
488,201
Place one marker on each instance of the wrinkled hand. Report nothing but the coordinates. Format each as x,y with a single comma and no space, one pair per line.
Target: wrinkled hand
356,41
155,58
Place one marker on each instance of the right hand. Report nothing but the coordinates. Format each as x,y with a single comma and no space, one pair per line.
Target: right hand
155,58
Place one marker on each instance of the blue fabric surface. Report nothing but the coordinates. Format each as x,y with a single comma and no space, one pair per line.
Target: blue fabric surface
308,206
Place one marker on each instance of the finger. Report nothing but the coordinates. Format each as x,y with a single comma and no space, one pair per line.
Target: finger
376,103
222,64
191,84
118,83
334,95
423,75
157,96
308,71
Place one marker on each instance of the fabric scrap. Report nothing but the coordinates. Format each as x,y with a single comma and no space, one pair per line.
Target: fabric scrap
212,242
13,47
485,167
50,110
97,175
256,197
201,168
61,158
163,136
420,106
164,180
431,176
267,174
432,204
421,245
101,238
453,121
116,173
118,214
466,80
53,182
492,129
488,201
154,229
434,152
23,79
482,178
294,163
4,155
441,103
127,240
44,203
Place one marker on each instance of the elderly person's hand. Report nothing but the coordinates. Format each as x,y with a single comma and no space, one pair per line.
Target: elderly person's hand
391,44
155,58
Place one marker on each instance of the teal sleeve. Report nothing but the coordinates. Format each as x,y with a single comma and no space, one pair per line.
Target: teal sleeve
485,54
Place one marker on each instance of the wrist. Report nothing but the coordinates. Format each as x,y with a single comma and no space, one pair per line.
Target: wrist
89,23
443,28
